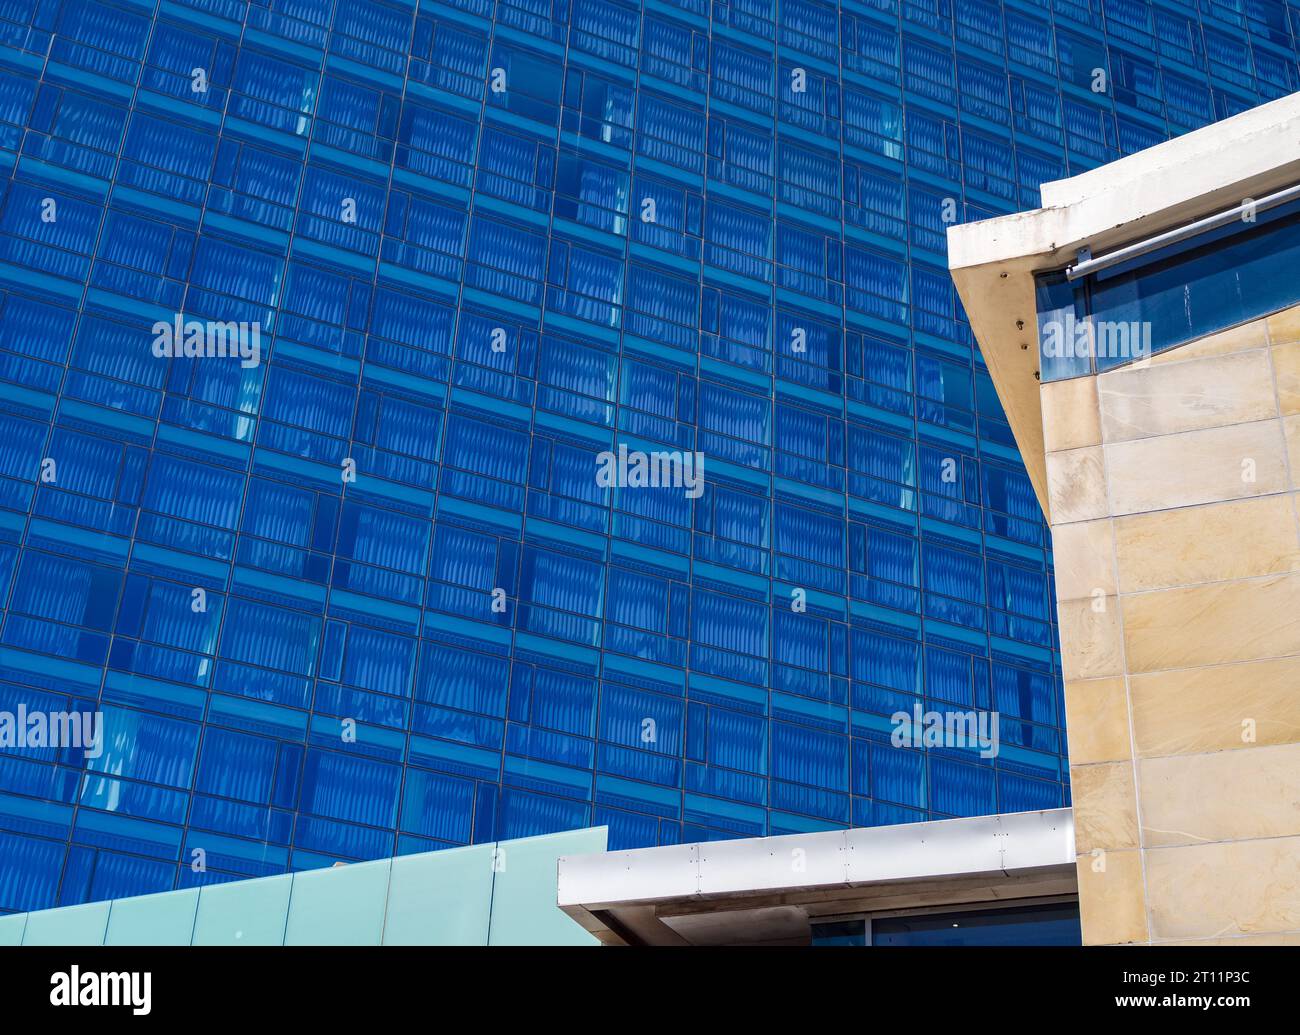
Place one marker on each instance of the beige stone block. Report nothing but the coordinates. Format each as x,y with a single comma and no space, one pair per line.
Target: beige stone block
1083,554
1286,369
1284,326
1096,720
1112,905
1070,419
1105,806
1212,624
1291,429
1245,336
1221,796
1076,485
1284,938
1143,401
1091,644
1224,889
1212,543
1217,708
1195,467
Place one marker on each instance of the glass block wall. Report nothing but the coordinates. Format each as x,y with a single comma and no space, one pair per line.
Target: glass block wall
337,338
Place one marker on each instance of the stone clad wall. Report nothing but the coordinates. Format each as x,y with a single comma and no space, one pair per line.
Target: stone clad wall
1172,486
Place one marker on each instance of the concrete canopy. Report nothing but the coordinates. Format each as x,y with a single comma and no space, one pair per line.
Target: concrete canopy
769,890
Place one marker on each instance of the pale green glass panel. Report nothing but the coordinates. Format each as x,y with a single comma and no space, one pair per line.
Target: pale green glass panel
440,898
524,893
341,905
164,919
243,912
11,928
71,925
503,894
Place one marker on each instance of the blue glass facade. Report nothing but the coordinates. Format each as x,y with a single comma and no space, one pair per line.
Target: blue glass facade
365,595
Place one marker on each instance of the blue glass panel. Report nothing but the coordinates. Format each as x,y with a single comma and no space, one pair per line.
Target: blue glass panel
1028,925
1207,283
